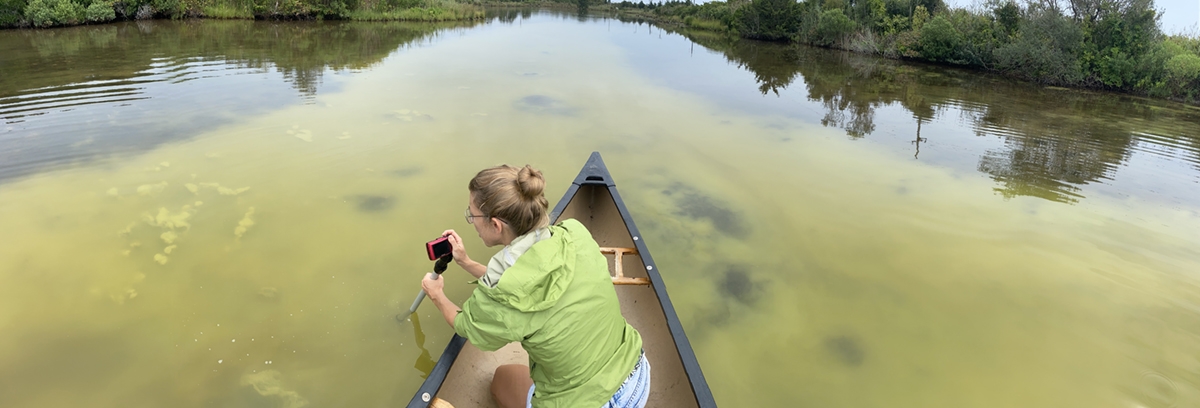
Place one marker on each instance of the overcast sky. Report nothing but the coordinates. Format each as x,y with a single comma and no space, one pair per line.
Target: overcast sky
1178,16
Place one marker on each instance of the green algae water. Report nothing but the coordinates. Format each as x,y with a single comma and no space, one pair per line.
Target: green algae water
217,213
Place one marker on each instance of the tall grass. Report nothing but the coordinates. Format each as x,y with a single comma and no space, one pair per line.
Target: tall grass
702,23
417,10
417,14
224,10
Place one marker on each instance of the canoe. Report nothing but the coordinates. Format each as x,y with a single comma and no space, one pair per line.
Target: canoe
462,375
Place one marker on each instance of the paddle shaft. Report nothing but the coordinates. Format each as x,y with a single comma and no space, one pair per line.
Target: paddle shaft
438,268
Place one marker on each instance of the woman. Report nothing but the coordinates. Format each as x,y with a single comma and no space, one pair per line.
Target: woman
548,289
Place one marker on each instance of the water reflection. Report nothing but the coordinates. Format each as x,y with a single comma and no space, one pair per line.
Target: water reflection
510,15
1054,141
261,263
425,362
72,78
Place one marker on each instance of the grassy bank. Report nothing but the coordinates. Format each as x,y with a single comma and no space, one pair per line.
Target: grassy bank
1097,44
51,13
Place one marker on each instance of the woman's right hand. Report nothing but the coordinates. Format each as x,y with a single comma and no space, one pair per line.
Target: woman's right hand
456,247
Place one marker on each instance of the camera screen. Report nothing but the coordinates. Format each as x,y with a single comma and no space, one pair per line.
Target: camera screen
441,249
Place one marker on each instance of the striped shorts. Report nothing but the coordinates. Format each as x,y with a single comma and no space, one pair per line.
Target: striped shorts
633,392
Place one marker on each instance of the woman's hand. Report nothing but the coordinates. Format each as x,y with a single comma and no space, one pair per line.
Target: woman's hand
433,286
433,289
476,269
457,248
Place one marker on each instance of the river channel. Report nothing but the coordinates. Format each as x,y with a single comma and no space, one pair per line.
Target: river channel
230,213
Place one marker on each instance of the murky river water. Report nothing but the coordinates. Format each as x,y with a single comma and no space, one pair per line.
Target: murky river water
229,213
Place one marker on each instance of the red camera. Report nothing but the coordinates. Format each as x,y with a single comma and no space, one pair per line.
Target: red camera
438,248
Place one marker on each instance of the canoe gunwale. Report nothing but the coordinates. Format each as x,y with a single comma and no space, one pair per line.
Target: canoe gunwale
434,381
595,173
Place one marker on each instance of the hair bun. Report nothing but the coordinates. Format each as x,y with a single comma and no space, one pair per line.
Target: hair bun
530,182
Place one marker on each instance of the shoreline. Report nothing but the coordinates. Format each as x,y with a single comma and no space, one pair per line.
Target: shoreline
861,42
1160,67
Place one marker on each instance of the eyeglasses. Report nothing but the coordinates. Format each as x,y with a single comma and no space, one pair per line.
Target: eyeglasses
469,216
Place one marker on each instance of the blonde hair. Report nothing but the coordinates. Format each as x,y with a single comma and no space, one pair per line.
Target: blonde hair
513,195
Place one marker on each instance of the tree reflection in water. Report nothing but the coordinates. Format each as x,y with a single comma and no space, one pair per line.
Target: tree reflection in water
48,75
1054,141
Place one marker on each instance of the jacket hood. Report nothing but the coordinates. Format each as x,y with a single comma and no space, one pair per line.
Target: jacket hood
540,276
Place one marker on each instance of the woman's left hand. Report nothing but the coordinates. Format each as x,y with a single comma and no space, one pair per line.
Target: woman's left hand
432,286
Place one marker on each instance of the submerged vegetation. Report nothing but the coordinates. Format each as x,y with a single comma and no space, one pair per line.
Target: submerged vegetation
1101,44
49,13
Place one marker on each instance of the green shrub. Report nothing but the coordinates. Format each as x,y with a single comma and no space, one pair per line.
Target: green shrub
39,13
719,11
100,12
898,7
919,18
870,13
769,19
228,11
1183,76
979,37
46,13
433,11
1184,66
67,12
1115,68
940,41
894,24
704,23
833,27
1008,16
10,12
810,17
170,8
906,44
931,6
1119,35
1187,43
1046,50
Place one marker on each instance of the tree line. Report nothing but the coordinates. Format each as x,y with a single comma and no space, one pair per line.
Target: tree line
1104,44
50,13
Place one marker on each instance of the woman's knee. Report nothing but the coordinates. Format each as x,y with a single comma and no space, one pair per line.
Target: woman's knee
510,385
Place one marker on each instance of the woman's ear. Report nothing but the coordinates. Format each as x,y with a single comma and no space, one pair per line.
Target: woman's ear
497,225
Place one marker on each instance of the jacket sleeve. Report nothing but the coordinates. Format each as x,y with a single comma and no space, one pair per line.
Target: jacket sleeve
484,325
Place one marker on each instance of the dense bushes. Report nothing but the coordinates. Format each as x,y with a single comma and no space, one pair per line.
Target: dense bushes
1045,50
100,11
940,41
768,19
11,12
833,26
1103,44
46,13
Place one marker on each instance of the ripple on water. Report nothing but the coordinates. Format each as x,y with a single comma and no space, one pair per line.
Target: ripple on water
1156,390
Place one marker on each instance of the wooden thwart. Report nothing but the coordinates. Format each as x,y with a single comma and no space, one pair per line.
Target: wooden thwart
631,281
619,277
439,403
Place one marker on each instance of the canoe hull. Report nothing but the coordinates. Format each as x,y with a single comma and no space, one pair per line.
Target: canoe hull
463,373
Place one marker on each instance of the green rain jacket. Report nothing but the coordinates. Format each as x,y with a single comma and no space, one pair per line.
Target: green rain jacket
558,301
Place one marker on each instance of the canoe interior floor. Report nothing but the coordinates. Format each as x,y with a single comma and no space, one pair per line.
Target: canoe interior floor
469,380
